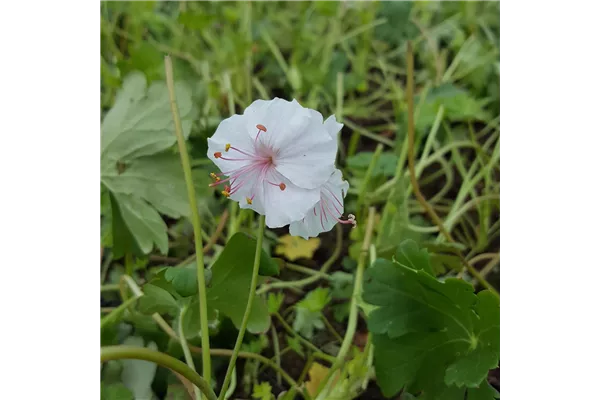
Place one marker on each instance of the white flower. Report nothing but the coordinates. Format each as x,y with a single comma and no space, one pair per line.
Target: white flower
274,158
328,210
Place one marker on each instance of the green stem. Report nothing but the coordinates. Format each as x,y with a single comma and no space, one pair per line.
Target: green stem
251,295
353,318
186,350
109,353
187,170
367,178
304,341
129,264
277,351
116,313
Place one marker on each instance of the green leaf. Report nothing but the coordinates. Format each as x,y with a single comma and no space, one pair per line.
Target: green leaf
191,318
138,375
183,279
274,301
115,391
145,227
315,300
308,312
231,276
409,255
157,300
484,392
471,369
394,227
429,334
140,122
342,285
245,246
398,26
262,391
157,179
294,344
306,321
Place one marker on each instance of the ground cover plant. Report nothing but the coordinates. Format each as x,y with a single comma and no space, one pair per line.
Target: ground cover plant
300,200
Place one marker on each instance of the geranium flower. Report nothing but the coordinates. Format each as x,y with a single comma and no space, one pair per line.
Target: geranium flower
327,211
274,158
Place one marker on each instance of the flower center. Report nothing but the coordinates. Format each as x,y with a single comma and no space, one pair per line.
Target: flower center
253,171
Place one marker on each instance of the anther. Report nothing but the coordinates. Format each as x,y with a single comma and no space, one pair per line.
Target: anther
352,219
261,128
282,186
217,154
225,193
227,147
248,200
215,177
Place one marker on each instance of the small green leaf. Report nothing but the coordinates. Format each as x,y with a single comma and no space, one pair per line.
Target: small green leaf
342,285
115,391
306,321
315,300
157,300
295,345
274,301
262,391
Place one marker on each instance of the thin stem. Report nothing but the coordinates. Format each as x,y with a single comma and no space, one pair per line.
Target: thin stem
332,329
317,274
304,341
186,350
116,313
187,170
353,318
276,351
251,294
109,353
413,177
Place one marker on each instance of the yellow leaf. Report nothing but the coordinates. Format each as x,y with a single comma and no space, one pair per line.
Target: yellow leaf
294,247
317,373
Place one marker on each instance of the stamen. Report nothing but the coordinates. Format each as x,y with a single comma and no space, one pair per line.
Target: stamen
281,185
227,146
261,128
215,177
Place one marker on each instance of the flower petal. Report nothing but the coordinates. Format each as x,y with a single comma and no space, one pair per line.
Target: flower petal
230,131
321,217
332,126
286,206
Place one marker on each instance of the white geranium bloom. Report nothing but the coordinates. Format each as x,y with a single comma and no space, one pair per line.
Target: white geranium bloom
328,210
274,158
